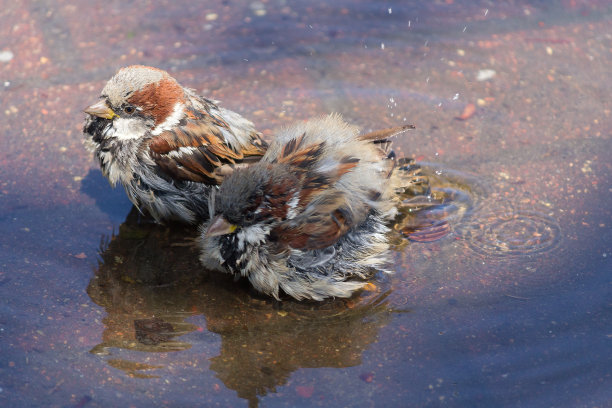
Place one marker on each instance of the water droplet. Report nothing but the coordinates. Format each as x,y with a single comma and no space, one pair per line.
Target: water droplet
390,11
382,46
456,97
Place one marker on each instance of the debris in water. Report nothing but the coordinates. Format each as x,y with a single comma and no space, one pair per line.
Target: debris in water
304,391
468,112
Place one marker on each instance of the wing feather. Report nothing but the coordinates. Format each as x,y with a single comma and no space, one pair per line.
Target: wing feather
194,150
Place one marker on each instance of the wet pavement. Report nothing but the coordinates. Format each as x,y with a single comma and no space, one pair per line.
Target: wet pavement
513,114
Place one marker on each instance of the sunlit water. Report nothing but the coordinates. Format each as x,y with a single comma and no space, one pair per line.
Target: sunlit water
500,294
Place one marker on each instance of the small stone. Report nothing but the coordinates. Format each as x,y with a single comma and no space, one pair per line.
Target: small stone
6,56
549,50
212,16
258,8
44,60
485,74
367,377
460,52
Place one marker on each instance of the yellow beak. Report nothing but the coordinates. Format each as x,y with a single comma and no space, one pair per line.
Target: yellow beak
220,226
101,110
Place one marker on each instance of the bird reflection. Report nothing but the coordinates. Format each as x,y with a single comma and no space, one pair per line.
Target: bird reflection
149,281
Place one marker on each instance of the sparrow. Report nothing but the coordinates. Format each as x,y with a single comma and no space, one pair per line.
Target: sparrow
166,145
309,219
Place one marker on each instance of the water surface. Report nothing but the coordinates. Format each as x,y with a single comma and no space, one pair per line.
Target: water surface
511,307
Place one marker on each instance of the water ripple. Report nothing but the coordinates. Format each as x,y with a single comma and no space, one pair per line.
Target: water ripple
445,201
511,232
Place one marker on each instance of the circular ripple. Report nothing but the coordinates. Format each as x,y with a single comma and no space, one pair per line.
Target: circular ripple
512,233
447,201
438,199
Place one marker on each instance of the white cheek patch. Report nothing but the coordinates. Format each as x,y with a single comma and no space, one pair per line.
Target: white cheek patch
172,120
129,128
254,234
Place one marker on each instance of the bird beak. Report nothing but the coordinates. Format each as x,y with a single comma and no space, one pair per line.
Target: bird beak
101,110
220,226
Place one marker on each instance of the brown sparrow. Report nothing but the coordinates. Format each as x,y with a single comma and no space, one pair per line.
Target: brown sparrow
309,218
166,145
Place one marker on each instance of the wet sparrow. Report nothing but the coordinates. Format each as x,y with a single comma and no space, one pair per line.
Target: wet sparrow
166,145
309,218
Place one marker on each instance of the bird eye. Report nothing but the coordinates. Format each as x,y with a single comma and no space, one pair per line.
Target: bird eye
129,109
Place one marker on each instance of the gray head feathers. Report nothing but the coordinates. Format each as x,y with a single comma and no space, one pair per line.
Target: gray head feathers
129,80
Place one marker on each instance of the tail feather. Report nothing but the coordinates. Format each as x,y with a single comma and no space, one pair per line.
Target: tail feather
381,136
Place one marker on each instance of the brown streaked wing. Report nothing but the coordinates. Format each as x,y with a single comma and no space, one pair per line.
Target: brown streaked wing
199,148
319,228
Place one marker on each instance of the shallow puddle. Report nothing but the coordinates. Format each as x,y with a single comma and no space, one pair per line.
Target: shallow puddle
500,291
